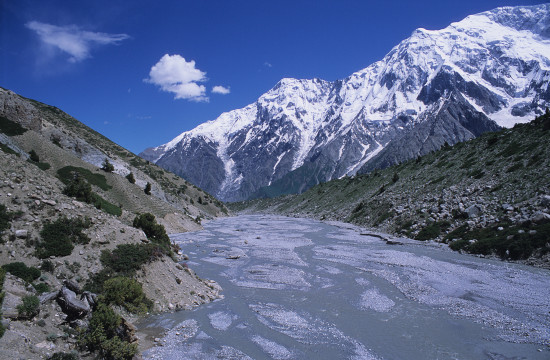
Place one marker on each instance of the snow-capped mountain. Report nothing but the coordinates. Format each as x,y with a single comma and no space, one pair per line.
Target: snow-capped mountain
491,69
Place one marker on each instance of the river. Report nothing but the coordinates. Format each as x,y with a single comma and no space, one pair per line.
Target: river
303,289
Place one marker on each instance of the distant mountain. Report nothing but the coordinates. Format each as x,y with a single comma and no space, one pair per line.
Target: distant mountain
486,71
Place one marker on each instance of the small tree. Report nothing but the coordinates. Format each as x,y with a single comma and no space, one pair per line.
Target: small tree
154,231
107,166
395,177
131,178
148,189
34,156
79,188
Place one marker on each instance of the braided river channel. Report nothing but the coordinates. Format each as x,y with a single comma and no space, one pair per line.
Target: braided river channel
302,289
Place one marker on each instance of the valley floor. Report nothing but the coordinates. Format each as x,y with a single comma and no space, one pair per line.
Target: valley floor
297,288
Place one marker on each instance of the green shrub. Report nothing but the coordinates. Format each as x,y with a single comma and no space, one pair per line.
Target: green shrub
477,174
22,271
154,232
66,174
126,292
131,178
78,188
511,149
30,307
107,166
10,128
5,148
395,178
33,156
125,259
5,218
508,243
515,167
59,236
47,265
147,189
41,288
109,208
105,335
432,230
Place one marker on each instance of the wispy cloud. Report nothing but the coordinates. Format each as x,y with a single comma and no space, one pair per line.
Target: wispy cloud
267,64
172,73
221,90
72,40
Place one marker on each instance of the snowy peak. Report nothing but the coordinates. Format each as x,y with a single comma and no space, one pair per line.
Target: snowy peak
436,86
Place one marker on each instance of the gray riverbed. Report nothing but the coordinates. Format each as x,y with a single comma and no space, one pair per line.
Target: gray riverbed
303,289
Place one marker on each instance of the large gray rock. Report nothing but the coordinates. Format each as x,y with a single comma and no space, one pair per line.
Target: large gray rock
14,290
71,305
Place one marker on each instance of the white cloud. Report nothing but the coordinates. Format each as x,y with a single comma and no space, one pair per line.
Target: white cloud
176,75
221,90
72,40
266,64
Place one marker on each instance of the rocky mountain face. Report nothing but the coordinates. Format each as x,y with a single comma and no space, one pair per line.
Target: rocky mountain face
487,71
44,269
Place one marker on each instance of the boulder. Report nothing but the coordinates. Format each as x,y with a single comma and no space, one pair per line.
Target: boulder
46,297
21,234
14,289
540,216
72,285
72,306
473,211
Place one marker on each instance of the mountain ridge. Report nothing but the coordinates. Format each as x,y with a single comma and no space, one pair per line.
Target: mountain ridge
497,61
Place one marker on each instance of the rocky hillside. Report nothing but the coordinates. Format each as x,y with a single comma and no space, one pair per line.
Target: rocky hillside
61,141
488,196
73,249
489,70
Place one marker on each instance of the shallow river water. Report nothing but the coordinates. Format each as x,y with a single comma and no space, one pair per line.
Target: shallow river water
303,289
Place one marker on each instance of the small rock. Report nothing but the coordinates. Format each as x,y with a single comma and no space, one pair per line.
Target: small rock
21,234
473,211
49,202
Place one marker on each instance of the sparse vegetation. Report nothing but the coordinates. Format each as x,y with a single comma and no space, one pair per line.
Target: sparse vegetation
59,237
10,128
154,231
130,178
29,308
107,166
67,174
22,271
147,189
5,218
81,190
128,293
106,335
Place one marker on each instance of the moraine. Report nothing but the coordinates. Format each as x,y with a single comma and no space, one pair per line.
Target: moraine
302,289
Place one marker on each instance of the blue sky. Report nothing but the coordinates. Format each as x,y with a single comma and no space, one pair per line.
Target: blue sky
141,72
